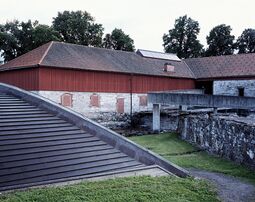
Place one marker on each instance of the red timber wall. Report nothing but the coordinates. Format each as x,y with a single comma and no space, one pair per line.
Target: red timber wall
54,79
24,78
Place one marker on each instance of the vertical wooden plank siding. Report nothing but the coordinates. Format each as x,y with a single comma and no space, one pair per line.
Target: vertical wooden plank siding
82,81
27,79
143,84
53,79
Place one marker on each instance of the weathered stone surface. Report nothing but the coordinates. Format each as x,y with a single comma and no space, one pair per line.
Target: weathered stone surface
230,87
226,137
168,120
104,108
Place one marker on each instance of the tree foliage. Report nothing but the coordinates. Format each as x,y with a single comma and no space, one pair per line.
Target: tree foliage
182,39
220,41
118,40
78,27
17,38
43,34
246,42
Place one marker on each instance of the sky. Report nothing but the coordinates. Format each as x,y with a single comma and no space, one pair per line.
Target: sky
144,20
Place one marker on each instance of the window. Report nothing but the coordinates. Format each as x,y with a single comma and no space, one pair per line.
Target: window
94,100
241,91
120,105
143,101
67,100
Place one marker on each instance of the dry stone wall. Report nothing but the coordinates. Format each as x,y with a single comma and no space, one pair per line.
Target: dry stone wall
224,136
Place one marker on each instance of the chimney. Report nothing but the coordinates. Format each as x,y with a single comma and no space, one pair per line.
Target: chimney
168,67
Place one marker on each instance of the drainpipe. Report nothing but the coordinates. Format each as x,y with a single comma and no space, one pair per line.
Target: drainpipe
131,99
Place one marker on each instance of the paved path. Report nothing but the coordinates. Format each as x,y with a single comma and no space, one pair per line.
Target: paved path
230,189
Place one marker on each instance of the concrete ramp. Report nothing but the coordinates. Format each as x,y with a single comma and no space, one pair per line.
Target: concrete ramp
42,143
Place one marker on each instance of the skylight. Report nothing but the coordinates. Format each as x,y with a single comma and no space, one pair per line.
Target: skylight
158,55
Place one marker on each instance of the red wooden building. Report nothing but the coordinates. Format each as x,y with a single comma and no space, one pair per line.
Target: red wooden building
85,74
96,80
59,66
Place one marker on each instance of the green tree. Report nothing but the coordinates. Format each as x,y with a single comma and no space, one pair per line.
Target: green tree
246,42
17,38
118,40
78,27
43,34
182,39
107,41
220,41
8,44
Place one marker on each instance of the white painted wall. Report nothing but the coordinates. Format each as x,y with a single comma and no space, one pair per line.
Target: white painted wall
230,87
81,102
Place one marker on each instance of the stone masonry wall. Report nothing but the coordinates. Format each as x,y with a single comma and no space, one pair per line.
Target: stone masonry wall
168,120
106,113
230,87
222,136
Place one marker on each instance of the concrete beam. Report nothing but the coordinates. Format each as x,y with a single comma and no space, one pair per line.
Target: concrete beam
214,101
156,118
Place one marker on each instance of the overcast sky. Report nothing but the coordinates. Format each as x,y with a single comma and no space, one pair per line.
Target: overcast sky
144,20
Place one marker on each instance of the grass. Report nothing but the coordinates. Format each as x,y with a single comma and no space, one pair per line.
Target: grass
170,146
122,189
145,188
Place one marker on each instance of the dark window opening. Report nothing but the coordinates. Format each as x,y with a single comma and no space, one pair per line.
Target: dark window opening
241,92
207,86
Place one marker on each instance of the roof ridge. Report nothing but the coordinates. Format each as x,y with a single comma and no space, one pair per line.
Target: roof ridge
93,47
218,56
193,74
45,53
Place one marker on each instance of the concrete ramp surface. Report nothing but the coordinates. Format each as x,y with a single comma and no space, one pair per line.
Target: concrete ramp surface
42,142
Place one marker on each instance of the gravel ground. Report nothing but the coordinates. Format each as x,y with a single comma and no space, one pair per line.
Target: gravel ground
230,189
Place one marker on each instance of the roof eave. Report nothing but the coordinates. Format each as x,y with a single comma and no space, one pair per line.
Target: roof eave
2,69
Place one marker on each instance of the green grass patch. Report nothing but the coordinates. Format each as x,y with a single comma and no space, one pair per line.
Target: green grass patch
122,189
164,144
170,146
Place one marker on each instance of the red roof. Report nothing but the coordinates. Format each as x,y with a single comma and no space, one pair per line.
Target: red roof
241,65
32,58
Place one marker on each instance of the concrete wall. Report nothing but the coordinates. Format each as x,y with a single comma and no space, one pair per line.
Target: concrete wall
106,112
231,138
168,121
230,87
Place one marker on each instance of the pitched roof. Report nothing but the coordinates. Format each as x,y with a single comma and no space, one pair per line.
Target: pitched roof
64,55
241,65
29,59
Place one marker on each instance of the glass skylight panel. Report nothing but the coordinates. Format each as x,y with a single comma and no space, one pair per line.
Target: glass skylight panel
158,55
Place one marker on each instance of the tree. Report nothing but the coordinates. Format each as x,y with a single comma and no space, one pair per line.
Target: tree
17,38
107,41
79,28
220,41
8,44
246,42
182,39
43,34
118,40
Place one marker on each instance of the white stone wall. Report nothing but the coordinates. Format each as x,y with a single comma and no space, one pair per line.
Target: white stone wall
230,87
81,102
